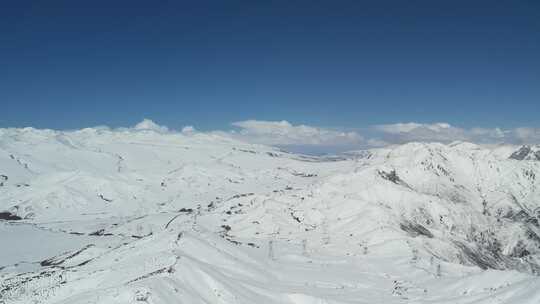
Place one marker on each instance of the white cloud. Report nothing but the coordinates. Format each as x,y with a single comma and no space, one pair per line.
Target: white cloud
412,131
527,135
490,133
188,130
283,133
376,143
444,132
412,126
147,124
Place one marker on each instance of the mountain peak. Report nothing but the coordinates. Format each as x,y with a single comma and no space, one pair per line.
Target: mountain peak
526,153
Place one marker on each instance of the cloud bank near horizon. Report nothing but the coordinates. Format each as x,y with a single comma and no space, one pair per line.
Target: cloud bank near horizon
287,135
446,133
305,138
283,133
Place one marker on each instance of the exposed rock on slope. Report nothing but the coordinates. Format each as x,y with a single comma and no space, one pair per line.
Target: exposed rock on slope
526,153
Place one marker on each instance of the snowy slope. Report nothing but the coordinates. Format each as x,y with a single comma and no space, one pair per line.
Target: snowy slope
123,216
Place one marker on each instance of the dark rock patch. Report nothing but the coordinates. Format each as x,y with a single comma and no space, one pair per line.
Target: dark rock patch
108,200
296,218
390,176
481,257
58,260
271,154
525,153
301,174
8,216
100,232
520,250
415,230
226,228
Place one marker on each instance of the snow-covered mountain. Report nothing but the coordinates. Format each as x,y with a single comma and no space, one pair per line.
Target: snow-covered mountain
124,216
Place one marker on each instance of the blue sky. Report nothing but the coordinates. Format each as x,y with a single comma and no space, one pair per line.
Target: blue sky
331,64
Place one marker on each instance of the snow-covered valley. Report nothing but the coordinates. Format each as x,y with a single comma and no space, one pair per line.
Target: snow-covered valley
127,216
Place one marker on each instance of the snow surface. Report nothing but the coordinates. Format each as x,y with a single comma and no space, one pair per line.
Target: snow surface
145,215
